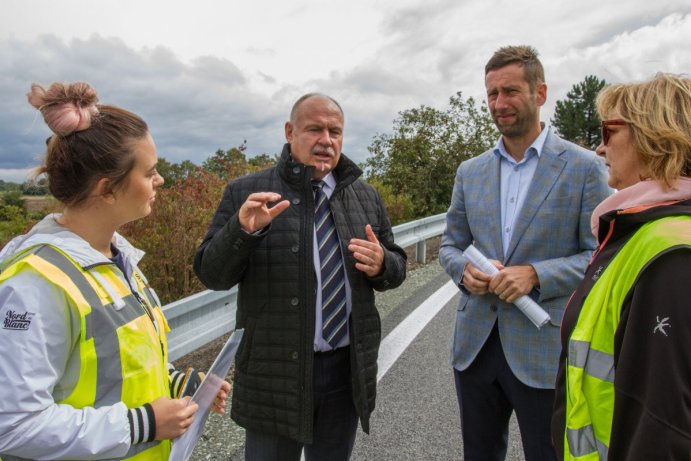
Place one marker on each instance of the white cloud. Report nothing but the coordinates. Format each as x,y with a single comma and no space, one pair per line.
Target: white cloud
211,74
15,175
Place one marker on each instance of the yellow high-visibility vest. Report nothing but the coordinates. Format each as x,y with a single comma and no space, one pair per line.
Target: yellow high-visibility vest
123,358
590,361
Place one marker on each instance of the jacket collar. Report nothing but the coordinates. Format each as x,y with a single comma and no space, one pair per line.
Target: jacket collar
617,223
629,208
49,232
644,194
299,174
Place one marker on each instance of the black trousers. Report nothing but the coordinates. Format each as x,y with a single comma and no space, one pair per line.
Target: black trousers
488,392
335,418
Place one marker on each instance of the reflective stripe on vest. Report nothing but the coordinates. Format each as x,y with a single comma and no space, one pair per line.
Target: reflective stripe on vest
590,363
122,356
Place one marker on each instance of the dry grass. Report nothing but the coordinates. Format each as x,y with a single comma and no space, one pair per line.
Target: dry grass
40,203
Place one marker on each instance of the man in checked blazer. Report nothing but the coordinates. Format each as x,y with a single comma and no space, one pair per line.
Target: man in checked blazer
526,205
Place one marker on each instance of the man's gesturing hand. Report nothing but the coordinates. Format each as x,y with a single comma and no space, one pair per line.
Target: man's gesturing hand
368,253
255,213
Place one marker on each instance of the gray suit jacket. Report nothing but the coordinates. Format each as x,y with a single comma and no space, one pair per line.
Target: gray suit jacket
552,233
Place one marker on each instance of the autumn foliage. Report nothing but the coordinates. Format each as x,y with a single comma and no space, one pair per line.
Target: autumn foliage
181,215
171,233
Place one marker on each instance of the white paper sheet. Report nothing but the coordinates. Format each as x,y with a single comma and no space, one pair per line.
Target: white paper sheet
205,396
530,308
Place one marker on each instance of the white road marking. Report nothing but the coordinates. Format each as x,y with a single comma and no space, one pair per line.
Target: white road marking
400,337
405,332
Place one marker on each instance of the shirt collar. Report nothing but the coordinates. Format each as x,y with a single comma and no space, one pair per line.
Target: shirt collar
329,181
536,147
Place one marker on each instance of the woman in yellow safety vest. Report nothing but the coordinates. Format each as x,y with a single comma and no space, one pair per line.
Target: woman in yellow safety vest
624,379
83,345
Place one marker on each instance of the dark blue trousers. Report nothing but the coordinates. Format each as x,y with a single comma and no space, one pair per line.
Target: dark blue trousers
488,392
335,418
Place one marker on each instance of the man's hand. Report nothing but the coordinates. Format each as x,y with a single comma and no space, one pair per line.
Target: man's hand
476,281
219,405
173,416
255,213
513,282
368,253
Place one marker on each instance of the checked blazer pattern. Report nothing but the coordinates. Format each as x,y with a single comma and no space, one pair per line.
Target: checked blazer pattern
552,233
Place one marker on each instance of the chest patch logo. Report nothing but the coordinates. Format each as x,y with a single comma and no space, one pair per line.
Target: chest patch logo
598,273
17,320
661,325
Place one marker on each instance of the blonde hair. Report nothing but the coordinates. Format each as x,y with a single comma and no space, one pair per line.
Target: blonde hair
658,112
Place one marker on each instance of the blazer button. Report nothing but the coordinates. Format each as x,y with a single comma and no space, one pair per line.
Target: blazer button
294,355
295,248
296,201
294,301
493,308
296,169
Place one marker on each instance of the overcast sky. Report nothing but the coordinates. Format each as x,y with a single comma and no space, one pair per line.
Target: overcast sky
208,74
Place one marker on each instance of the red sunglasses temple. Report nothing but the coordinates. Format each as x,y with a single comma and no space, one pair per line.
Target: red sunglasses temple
605,131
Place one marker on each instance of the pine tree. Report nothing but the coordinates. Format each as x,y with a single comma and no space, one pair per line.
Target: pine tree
575,117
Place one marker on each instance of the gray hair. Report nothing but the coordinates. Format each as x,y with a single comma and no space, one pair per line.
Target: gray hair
305,97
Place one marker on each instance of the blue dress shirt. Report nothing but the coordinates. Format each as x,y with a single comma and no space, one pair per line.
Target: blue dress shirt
515,181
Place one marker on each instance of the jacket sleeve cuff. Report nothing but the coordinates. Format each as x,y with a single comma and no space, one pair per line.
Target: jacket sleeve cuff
184,384
142,424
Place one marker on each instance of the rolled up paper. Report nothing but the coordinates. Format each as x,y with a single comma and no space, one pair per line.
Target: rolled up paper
530,308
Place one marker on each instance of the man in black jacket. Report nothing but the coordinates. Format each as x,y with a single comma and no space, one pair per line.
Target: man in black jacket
307,365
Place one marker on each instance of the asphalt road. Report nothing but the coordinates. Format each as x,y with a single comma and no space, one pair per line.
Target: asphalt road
417,414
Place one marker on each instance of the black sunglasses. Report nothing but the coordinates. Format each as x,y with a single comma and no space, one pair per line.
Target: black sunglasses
605,131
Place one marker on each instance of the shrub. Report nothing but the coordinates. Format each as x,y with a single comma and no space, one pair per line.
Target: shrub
14,198
171,234
399,207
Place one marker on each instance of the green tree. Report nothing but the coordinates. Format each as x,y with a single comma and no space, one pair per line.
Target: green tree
419,159
227,164
36,186
262,161
575,117
174,173
6,186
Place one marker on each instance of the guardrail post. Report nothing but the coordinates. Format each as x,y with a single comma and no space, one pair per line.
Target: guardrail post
421,251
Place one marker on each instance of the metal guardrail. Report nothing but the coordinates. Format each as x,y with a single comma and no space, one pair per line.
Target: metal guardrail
417,233
203,317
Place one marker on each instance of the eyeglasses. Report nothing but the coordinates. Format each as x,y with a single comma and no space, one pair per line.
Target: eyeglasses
605,130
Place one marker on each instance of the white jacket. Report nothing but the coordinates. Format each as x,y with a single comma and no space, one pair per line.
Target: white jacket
40,364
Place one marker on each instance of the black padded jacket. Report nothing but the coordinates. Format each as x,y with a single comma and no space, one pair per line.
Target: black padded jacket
272,387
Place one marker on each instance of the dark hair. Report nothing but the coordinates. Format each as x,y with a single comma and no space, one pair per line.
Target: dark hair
90,141
526,56
305,97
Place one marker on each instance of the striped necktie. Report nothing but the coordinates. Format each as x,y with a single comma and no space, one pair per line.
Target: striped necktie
334,319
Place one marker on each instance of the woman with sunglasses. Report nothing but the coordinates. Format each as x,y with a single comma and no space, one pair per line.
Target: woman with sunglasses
83,351
624,380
